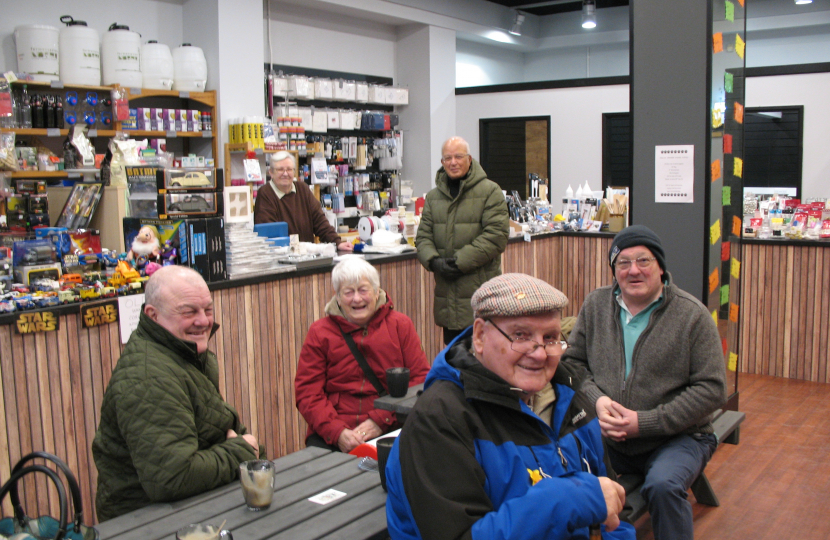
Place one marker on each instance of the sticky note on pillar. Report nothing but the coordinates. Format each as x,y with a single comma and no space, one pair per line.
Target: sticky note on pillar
733,362
738,167
736,268
740,45
715,170
728,81
730,11
727,143
714,232
739,113
733,312
714,280
725,248
736,226
717,43
715,317
727,195
724,294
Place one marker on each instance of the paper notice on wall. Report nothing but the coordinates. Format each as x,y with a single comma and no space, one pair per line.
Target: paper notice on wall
674,173
129,309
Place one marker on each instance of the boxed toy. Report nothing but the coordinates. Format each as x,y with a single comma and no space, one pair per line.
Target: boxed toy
184,179
189,204
173,231
206,240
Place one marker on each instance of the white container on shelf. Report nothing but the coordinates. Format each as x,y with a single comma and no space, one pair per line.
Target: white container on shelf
121,57
362,92
377,94
190,69
80,53
37,51
156,66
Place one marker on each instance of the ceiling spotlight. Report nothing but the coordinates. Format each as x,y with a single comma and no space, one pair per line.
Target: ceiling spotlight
589,14
800,2
516,29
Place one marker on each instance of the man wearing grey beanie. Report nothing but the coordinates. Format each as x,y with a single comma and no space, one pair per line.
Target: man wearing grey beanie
656,375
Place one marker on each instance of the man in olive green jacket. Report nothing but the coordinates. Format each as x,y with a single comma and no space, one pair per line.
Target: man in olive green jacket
165,432
463,232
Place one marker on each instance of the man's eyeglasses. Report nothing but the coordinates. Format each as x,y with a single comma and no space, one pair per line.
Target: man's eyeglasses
454,157
528,346
642,262
283,171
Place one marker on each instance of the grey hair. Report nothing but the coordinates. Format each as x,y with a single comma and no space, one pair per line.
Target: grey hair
351,271
167,276
458,140
280,156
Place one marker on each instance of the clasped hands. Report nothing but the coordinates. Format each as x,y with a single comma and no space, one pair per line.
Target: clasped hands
616,422
352,438
250,439
446,268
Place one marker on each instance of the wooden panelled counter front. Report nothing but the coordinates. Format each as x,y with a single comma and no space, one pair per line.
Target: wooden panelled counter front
52,383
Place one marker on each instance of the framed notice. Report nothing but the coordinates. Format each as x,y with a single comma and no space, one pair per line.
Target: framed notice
674,173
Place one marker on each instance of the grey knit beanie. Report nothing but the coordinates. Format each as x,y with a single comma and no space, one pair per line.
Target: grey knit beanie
637,235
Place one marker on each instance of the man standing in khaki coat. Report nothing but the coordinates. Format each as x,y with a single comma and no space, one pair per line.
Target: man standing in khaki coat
463,232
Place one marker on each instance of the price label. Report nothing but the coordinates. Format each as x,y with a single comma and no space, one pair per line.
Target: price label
171,134
53,132
72,174
135,91
184,95
527,237
56,84
92,133
209,134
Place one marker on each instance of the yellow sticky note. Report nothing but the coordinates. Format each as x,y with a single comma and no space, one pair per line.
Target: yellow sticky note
733,312
730,11
714,232
724,294
738,167
715,170
715,317
736,268
740,45
717,43
733,362
714,280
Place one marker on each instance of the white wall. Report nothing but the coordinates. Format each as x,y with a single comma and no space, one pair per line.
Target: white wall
576,126
810,91
152,19
479,65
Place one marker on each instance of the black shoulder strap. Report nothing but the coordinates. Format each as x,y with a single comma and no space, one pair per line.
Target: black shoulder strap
364,365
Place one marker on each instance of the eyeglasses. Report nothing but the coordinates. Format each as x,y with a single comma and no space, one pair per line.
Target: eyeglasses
528,346
454,157
283,171
642,262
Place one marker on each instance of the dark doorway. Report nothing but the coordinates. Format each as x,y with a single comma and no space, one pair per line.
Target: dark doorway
617,164
513,148
774,147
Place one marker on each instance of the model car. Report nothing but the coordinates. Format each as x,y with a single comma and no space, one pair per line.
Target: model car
191,179
190,203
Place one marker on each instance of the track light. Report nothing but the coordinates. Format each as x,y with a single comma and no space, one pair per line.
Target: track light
516,29
589,14
800,2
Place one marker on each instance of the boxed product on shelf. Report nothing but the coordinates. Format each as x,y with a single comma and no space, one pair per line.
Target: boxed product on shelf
190,178
30,187
131,122
206,240
207,203
172,230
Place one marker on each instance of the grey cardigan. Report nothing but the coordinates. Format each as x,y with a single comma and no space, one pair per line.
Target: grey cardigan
678,375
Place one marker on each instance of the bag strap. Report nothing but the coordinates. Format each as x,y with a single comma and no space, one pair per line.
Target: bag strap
11,484
74,490
364,365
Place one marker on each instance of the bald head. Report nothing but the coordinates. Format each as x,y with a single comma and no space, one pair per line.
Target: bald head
178,299
455,157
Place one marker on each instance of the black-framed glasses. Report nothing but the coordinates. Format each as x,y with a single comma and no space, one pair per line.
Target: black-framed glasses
528,346
642,262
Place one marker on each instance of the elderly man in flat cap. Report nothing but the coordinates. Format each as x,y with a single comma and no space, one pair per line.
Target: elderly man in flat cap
656,375
474,461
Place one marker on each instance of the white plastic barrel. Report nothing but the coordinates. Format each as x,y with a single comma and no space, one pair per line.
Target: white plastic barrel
37,51
190,69
156,66
121,57
80,53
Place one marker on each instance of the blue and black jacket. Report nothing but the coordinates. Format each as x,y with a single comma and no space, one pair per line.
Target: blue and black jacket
474,462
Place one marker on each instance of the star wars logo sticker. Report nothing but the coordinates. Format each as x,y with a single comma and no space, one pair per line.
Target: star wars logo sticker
100,314
30,323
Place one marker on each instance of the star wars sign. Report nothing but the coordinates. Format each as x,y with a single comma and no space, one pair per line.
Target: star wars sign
30,323
99,314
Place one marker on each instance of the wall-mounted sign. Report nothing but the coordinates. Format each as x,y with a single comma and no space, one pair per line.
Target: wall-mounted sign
99,314
40,321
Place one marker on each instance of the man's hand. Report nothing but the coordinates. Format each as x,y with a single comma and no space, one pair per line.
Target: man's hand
446,268
248,438
616,422
345,246
348,440
614,500
368,430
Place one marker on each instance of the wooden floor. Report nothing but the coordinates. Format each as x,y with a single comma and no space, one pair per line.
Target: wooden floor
774,484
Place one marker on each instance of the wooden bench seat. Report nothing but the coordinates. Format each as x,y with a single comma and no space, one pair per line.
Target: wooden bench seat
727,428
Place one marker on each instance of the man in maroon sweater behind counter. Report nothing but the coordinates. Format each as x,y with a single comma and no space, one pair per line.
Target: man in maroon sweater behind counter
283,199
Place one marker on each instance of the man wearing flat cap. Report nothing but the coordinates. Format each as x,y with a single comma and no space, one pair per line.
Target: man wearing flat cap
474,461
656,375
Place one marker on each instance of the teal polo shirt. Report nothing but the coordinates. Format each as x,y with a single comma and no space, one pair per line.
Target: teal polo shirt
633,326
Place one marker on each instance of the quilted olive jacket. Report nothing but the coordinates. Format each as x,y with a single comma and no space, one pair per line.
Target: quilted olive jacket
472,227
162,435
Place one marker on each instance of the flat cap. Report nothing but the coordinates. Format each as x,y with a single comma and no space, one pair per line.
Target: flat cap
516,295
